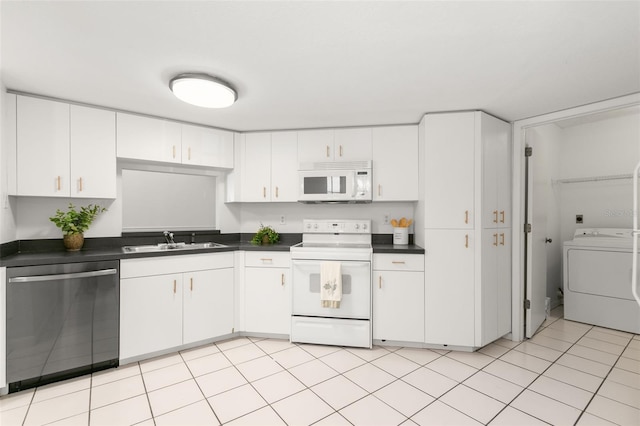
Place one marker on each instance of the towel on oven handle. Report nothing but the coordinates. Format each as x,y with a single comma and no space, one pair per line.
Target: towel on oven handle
330,284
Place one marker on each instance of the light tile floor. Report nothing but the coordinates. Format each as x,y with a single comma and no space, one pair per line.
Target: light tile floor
569,373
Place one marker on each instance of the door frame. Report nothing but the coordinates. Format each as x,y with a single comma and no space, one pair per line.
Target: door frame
519,129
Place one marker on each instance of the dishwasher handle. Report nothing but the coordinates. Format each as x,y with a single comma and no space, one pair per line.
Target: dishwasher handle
75,275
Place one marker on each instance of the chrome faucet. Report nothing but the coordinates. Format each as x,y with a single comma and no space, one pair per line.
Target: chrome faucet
168,236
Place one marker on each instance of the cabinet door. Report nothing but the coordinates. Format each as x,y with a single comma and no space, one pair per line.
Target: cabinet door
256,167
267,300
152,139
504,282
202,146
93,153
150,314
207,304
284,166
449,170
352,144
496,172
449,287
315,146
395,162
487,304
398,306
42,147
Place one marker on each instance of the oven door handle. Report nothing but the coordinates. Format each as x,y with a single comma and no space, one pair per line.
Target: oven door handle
54,277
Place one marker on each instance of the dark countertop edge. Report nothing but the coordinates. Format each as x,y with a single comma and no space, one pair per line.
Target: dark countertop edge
96,252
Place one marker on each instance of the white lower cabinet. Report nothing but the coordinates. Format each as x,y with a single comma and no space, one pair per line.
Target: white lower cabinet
449,287
267,298
207,301
398,297
167,302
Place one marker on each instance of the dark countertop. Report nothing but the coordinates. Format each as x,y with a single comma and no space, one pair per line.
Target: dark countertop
47,252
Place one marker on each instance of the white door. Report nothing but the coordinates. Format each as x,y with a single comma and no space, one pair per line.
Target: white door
93,153
395,161
536,279
256,170
315,145
284,166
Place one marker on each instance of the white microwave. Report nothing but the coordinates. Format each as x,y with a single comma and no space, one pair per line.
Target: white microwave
335,182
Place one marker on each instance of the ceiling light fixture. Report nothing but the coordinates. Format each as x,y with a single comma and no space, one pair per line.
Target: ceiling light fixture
203,90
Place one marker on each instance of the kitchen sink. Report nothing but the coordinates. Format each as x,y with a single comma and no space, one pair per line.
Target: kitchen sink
168,246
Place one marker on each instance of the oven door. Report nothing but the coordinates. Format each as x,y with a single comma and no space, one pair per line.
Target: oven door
356,290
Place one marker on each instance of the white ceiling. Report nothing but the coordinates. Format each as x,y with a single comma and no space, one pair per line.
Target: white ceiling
325,64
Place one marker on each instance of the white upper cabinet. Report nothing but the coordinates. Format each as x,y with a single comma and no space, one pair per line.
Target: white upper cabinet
284,166
42,148
449,170
152,139
269,167
64,150
496,174
352,144
93,153
256,167
203,146
395,163
334,145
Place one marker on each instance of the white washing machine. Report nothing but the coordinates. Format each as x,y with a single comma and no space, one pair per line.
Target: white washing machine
597,279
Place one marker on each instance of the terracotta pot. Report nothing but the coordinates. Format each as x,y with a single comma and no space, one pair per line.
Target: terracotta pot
73,242
265,239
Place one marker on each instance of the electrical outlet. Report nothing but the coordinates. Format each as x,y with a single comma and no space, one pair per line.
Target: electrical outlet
579,218
283,220
386,219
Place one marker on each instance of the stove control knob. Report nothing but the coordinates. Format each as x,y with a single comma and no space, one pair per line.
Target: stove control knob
357,226
364,226
315,226
308,226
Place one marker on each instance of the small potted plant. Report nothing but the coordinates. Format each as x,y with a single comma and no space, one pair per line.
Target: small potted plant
73,224
265,235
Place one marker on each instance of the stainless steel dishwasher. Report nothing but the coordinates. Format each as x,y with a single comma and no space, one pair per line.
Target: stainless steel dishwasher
62,321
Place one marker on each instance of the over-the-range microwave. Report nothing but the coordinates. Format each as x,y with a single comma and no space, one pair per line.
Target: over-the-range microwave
335,182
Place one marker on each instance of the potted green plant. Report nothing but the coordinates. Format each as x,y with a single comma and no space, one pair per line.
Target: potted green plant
265,235
73,224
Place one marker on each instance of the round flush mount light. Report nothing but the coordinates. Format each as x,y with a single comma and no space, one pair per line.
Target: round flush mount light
203,90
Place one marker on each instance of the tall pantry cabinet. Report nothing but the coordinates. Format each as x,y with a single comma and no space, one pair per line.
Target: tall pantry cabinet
466,199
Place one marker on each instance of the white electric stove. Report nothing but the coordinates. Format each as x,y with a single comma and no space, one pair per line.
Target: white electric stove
348,242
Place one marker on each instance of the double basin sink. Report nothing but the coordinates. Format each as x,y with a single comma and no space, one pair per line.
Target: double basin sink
170,246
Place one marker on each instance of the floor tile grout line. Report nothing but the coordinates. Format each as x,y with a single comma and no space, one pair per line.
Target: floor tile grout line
601,384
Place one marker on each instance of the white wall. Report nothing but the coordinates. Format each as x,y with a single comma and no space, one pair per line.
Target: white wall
602,148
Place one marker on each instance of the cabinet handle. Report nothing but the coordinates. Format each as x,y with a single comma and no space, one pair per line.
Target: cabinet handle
380,281
59,185
379,189
266,259
191,283
174,286
502,216
466,241
276,192
189,153
502,239
495,240
327,151
466,216
495,216
80,185
340,150
398,262
282,279
174,151
264,192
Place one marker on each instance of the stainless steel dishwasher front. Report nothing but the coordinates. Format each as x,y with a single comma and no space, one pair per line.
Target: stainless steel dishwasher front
62,321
